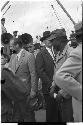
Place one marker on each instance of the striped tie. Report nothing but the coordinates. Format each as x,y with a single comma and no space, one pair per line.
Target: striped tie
16,61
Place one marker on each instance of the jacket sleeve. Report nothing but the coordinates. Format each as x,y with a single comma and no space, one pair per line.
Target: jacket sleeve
32,69
41,70
66,76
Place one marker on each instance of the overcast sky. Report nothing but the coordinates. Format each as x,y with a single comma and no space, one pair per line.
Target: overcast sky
33,16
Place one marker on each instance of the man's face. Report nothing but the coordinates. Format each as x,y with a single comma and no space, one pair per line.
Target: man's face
12,47
3,60
15,34
59,45
31,47
48,43
3,22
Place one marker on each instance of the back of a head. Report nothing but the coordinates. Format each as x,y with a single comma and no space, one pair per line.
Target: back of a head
26,38
5,38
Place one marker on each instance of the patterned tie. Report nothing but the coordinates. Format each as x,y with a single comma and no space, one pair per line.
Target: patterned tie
16,61
53,56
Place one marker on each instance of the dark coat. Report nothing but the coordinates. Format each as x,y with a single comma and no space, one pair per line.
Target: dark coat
45,69
14,88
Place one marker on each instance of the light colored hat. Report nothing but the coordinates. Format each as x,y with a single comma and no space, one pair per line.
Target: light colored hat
78,28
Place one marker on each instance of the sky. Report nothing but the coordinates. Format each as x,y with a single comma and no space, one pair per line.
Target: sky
34,16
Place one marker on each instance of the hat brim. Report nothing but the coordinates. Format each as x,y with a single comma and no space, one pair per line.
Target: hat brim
49,37
15,31
45,37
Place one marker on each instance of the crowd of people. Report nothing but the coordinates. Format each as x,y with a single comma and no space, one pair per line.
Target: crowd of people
35,76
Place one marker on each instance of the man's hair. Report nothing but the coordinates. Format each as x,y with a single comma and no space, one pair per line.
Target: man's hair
3,19
26,38
5,38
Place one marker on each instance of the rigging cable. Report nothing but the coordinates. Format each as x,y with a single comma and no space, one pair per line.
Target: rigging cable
56,15
7,10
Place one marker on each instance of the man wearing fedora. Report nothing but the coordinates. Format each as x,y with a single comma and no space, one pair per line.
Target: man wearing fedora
69,76
64,100
45,63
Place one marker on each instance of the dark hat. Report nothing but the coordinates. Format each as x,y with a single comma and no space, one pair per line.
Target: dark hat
78,28
46,34
15,31
59,33
3,19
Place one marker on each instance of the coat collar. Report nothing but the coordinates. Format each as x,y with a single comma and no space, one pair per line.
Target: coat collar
48,55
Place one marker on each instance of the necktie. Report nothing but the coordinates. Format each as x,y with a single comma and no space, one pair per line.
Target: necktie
53,55
16,61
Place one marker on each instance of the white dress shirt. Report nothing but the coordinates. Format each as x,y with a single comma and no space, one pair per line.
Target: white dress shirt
51,51
19,54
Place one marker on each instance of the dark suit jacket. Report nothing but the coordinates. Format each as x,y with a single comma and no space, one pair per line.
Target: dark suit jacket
45,69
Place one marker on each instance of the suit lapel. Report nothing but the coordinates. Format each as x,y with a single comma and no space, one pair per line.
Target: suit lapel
21,59
12,63
48,55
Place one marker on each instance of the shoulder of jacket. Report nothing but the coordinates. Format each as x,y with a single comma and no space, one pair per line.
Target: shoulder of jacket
77,52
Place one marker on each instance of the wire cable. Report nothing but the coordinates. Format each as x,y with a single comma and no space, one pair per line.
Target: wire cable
7,10
56,15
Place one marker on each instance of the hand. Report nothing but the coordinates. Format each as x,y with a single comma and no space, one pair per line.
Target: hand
59,98
55,95
32,94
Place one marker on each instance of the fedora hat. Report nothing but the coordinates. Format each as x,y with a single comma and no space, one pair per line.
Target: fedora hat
46,34
59,33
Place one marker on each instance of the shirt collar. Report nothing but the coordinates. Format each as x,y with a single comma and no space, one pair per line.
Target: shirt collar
51,52
19,54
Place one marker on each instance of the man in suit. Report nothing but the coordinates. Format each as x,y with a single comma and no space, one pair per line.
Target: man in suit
45,70
69,76
23,65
